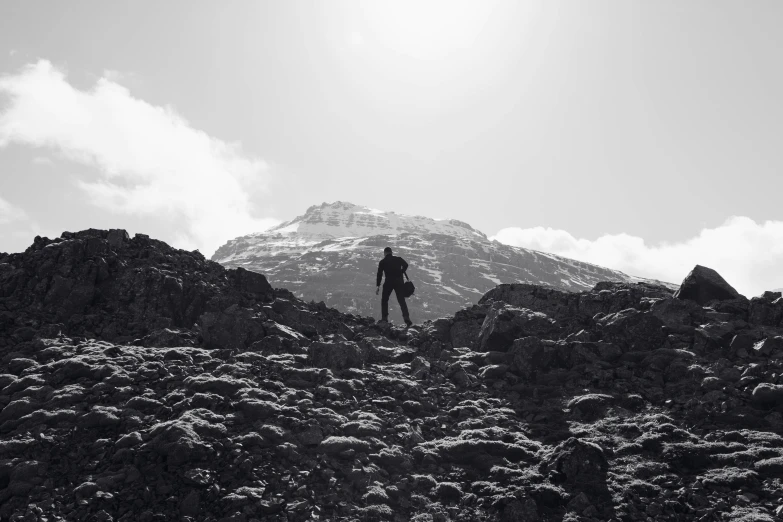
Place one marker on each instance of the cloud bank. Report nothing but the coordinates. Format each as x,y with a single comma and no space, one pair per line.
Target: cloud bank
151,161
747,254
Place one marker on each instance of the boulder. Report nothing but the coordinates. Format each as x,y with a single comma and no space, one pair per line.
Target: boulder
533,356
610,297
713,336
768,346
633,330
766,310
250,282
505,323
255,410
766,394
440,329
539,299
579,464
741,343
590,406
117,238
676,314
420,368
703,285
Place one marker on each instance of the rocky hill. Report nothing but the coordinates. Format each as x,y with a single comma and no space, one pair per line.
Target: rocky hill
331,254
143,383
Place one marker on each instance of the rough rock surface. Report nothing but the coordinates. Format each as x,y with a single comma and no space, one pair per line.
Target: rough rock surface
704,285
143,383
331,254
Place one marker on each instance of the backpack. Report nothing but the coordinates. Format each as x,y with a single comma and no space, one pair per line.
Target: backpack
407,287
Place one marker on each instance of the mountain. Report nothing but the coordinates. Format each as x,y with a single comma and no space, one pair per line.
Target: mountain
139,382
331,254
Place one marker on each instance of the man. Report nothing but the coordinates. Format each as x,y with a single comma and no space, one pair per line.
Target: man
394,267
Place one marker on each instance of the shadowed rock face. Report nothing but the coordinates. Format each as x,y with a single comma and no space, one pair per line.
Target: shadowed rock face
141,382
102,283
331,254
704,285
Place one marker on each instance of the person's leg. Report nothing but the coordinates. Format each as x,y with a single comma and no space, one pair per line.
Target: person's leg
385,294
398,291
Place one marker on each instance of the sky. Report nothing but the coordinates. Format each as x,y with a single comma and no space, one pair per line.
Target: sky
643,136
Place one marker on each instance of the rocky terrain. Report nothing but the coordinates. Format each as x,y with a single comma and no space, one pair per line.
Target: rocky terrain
331,254
143,383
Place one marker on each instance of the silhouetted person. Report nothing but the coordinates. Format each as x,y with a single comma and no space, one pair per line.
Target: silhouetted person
394,267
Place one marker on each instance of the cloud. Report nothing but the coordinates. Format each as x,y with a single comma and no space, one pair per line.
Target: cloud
114,75
43,160
747,254
10,213
151,161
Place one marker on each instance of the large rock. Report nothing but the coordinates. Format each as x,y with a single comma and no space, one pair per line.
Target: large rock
633,330
101,282
251,282
676,314
505,323
769,346
532,356
704,285
547,300
766,310
766,394
580,464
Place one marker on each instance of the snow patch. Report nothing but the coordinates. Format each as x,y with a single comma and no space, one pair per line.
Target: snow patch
492,277
290,229
436,274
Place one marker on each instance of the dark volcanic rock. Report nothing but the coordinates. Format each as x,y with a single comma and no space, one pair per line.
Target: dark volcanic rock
140,382
633,330
98,282
766,310
768,394
704,285
505,323
336,356
579,464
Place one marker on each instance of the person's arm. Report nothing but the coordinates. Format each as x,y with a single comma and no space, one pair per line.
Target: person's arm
404,265
380,274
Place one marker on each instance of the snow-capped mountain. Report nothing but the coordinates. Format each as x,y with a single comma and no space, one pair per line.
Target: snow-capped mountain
331,254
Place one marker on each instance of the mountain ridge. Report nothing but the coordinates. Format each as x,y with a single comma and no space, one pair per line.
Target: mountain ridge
330,254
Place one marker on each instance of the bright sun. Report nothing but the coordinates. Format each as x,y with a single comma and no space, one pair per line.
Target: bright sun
427,29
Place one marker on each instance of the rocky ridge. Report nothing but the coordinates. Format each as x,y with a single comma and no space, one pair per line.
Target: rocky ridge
331,254
141,382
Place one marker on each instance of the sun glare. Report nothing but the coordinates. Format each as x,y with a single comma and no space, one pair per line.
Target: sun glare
427,29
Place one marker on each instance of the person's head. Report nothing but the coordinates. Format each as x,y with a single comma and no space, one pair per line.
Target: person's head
387,251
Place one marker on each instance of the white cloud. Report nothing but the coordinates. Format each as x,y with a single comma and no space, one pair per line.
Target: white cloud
152,162
10,213
747,254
